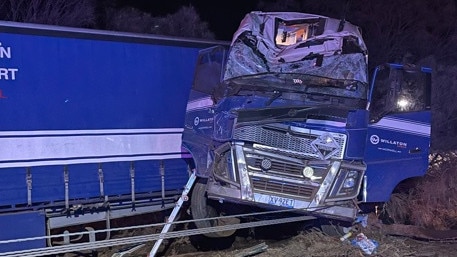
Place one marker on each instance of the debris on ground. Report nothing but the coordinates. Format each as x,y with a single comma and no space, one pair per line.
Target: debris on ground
262,247
367,245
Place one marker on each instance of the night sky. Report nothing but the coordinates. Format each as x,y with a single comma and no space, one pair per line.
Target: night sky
223,18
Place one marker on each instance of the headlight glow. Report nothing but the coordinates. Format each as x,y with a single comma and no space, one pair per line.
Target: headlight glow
349,182
402,103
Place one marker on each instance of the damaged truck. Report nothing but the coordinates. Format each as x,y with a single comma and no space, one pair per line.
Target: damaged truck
99,126
287,118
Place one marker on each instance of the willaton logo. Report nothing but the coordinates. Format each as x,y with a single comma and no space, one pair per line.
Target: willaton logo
394,142
374,139
196,121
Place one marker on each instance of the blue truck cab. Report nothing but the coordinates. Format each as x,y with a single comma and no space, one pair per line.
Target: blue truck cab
287,118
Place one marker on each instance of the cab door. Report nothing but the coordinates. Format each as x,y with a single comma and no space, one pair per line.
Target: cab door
398,134
199,122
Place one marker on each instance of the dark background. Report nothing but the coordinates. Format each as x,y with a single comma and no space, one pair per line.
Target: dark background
223,18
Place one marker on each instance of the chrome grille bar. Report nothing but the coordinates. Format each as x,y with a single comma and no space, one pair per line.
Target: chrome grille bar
290,140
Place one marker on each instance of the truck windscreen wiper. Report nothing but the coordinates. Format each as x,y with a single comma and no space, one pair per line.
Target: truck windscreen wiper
276,95
273,114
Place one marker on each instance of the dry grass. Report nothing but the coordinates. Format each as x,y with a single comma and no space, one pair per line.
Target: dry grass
432,203
314,243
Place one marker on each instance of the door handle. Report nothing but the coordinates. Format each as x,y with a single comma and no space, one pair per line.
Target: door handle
415,150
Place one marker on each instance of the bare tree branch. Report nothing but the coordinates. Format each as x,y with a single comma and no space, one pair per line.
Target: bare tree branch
76,13
185,23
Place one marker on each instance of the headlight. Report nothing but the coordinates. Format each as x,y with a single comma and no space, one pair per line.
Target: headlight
347,183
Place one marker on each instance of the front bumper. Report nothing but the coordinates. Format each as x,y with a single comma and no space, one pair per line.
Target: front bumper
239,175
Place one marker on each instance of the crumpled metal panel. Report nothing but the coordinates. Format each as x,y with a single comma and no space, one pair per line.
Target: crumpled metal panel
254,49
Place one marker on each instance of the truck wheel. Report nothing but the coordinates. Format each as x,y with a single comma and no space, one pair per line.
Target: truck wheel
203,208
334,228
205,243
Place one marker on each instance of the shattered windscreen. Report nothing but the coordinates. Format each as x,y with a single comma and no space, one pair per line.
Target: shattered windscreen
299,53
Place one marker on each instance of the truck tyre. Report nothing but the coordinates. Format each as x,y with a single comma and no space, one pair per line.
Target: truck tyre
203,208
333,228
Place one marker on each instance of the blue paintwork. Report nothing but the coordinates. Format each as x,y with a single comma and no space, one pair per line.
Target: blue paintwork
390,162
356,132
22,225
403,149
93,84
48,181
79,82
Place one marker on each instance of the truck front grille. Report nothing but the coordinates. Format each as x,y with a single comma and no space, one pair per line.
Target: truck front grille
297,142
304,192
288,151
285,175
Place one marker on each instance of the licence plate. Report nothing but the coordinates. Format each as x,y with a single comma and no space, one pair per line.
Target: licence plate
281,201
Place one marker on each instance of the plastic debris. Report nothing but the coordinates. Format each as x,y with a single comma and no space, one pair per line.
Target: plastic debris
367,245
346,236
362,220
253,250
127,251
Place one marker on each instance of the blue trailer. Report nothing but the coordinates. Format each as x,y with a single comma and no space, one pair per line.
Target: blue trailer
91,126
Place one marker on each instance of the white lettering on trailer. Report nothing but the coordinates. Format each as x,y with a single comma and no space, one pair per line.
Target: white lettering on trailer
5,52
8,73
